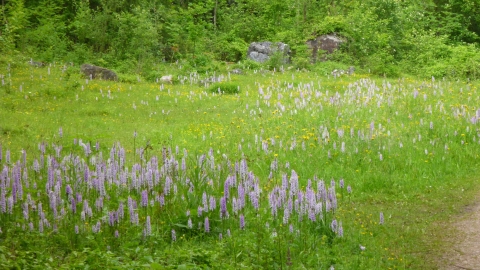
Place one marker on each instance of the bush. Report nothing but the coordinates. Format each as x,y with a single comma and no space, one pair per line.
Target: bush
382,63
432,56
79,54
248,64
230,48
202,63
275,61
154,75
15,60
129,78
326,68
330,24
224,88
302,57
464,61
48,41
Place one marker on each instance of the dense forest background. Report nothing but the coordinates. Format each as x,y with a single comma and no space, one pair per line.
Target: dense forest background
426,38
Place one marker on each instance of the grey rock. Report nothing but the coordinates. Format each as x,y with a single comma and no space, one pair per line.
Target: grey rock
237,71
95,72
36,64
339,72
261,51
167,79
351,70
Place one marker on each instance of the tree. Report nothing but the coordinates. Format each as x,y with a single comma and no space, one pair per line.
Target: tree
14,23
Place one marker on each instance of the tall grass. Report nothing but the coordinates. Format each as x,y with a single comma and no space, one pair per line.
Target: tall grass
295,171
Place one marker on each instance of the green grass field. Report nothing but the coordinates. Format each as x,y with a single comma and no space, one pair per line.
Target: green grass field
293,172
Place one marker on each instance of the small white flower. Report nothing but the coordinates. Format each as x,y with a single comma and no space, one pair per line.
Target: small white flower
362,248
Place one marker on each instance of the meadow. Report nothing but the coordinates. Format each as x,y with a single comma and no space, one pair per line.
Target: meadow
298,170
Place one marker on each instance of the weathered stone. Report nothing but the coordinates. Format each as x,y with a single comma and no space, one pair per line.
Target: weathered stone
261,51
327,43
167,79
351,70
95,72
36,63
237,71
339,72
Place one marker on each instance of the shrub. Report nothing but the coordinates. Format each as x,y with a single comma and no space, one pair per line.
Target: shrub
202,63
129,78
302,57
248,64
326,68
155,75
464,61
382,63
79,54
330,24
275,61
230,48
224,88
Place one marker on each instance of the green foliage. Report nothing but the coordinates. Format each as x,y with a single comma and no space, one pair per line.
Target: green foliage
71,77
80,53
461,62
224,88
51,43
465,62
331,24
432,56
326,68
202,63
301,56
13,60
248,64
456,19
383,64
15,20
154,75
135,37
276,61
93,27
302,63
230,48
129,78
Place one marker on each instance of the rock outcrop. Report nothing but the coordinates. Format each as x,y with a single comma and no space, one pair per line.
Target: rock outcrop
327,43
262,51
167,79
95,72
36,63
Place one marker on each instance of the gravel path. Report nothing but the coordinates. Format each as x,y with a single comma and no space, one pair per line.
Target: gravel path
465,252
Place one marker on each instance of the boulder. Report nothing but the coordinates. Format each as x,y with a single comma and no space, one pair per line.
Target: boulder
351,70
237,71
36,63
339,72
327,43
95,72
167,79
261,51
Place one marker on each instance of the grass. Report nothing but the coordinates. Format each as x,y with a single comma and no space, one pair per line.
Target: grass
408,149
